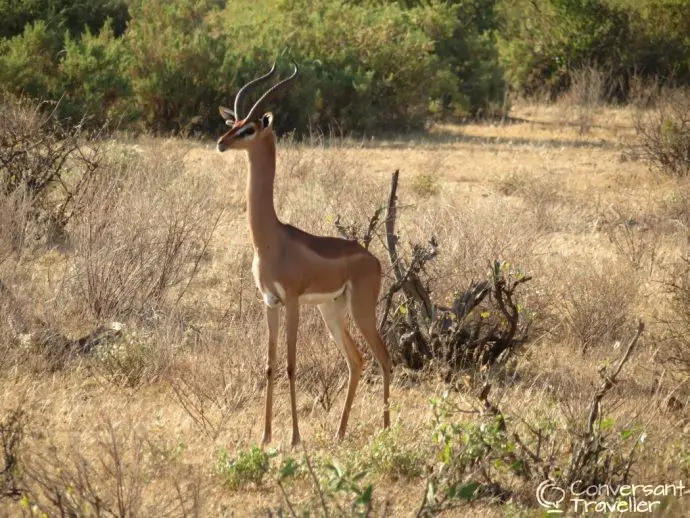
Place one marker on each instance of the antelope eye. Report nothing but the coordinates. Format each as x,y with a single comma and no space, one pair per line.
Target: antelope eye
249,130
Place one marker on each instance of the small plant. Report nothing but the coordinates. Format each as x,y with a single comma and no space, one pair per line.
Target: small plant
128,359
638,245
389,456
511,184
425,185
340,482
337,491
248,467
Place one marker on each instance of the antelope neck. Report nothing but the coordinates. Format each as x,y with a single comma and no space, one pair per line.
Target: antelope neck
263,222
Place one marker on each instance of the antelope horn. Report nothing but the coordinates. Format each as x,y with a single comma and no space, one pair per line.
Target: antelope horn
242,94
275,89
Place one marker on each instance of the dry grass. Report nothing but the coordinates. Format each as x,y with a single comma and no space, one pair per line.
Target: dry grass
139,427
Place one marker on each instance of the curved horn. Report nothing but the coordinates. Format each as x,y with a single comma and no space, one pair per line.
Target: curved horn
275,89
242,94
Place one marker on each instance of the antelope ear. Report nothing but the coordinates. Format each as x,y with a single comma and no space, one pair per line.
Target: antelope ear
228,115
267,120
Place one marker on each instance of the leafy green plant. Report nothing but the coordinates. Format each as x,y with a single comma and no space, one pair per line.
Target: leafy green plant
337,489
249,466
341,482
389,455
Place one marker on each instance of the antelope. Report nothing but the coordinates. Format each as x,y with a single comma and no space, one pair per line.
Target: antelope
292,267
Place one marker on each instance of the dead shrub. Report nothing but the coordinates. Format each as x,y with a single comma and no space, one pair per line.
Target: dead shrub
595,302
117,484
143,234
664,133
544,197
15,214
483,325
211,390
635,241
323,372
45,166
589,90
677,351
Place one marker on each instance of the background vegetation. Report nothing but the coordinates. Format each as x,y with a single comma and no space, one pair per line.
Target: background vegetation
367,65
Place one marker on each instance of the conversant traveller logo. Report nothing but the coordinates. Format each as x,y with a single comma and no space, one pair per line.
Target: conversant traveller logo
606,498
550,496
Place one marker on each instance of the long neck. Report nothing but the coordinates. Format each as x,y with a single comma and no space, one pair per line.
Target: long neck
263,222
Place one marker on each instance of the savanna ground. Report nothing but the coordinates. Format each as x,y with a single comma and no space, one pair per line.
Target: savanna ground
163,419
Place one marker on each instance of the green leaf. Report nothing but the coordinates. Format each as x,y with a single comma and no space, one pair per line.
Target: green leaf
288,468
359,476
467,491
365,497
607,423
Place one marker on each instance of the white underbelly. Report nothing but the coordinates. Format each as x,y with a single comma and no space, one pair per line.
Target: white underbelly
321,298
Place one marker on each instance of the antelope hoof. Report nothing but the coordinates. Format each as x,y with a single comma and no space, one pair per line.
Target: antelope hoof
295,440
266,440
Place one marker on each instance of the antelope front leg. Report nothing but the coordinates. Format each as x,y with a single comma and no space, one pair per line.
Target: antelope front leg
273,320
291,325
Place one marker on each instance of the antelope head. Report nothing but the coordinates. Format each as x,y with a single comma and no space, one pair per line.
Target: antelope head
255,124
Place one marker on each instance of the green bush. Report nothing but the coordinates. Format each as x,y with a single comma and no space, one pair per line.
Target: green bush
174,63
365,66
249,467
94,75
389,455
61,15
542,42
27,63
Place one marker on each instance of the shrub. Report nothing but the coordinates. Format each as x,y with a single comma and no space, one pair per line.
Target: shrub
45,168
366,66
543,42
27,62
363,66
94,75
249,467
594,306
677,351
175,64
664,133
125,265
425,185
63,14
389,455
